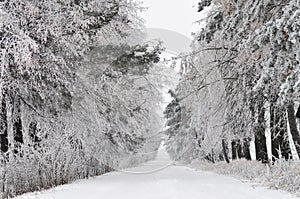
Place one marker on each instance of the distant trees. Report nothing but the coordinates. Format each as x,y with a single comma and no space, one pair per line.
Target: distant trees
76,96
243,85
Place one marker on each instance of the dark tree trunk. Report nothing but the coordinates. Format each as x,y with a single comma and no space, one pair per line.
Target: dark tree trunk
246,148
293,126
298,112
285,145
261,147
234,149
18,134
3,126
240,149
213,156
225,150
260,138
33,134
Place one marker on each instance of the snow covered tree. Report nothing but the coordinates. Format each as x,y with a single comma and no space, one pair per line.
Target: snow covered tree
77,98
249,52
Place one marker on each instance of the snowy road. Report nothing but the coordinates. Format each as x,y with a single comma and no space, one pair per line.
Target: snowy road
149,181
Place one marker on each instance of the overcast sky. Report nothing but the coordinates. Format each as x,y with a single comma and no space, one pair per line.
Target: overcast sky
176,15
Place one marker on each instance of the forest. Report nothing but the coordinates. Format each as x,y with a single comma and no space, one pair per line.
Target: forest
81,89
75,91
239,93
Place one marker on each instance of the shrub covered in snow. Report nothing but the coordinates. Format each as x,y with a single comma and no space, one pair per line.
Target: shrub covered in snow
283,175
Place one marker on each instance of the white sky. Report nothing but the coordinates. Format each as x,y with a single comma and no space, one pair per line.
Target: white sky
176,15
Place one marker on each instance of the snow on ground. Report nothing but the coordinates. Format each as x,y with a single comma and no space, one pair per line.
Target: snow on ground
159,179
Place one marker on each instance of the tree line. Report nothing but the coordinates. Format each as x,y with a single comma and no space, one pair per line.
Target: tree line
239,93
77,94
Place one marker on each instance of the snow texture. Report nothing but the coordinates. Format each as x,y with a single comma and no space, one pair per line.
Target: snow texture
159,179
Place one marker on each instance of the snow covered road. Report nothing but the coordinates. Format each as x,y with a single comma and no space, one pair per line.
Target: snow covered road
159,179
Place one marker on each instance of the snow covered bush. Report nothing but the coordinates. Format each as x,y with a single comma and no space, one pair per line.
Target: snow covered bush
247,170
283,175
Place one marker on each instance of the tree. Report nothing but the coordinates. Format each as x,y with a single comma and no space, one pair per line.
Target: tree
243,60
75,91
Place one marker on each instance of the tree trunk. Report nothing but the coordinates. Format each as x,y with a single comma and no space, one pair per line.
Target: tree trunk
292,125
225,150
234,149
246,148
261,147
280,143
10,126
24,123
260,138
298,112
240,149
3,126
17,122
276,135
268,133
252,149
